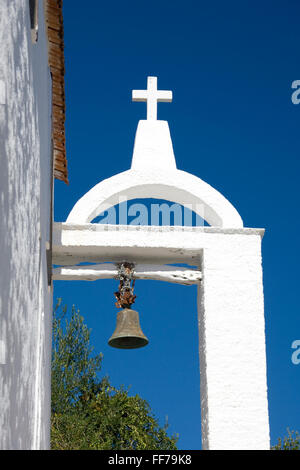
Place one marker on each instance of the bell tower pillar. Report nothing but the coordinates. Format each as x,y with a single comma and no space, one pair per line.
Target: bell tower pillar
234,404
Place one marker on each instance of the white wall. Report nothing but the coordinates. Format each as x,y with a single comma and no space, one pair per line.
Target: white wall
25,209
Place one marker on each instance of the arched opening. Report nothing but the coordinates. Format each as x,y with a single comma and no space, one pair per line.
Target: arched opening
151,211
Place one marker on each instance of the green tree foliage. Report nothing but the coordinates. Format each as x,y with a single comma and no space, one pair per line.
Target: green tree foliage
289,442
88,412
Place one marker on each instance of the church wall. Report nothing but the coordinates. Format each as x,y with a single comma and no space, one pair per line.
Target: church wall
25,227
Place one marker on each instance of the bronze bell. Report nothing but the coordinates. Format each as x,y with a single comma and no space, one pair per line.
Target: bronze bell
128,333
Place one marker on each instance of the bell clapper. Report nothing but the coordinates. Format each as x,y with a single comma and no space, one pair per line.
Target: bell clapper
128,333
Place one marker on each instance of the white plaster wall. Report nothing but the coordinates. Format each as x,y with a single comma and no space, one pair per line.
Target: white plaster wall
25,207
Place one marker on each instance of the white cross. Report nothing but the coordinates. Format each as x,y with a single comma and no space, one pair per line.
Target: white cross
152,96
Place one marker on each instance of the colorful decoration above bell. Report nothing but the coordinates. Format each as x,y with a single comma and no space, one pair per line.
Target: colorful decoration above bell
128,333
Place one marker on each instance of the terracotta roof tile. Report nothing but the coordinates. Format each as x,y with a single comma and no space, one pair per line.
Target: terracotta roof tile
55,32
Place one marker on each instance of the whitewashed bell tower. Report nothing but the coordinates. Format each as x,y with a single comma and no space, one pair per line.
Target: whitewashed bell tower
227,255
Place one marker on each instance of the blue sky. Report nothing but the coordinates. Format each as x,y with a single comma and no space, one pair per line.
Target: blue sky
230,66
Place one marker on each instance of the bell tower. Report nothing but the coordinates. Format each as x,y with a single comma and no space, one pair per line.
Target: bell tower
227,257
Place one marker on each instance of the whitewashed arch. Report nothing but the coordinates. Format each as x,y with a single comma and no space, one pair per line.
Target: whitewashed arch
153,174
176,186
